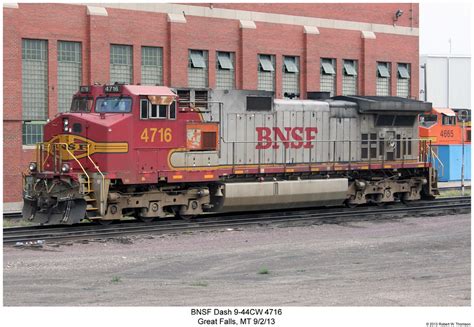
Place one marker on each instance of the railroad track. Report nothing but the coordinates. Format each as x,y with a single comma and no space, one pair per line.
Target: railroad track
301,216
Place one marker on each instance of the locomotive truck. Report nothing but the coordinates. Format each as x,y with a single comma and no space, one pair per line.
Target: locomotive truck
141,151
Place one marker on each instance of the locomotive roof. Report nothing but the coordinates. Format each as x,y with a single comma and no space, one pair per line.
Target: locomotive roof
149,90
387,104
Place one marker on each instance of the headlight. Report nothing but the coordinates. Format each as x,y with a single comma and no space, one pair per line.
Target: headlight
32,166
66,124
65,168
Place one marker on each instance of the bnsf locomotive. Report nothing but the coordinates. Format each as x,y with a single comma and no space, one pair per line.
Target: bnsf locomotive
132,150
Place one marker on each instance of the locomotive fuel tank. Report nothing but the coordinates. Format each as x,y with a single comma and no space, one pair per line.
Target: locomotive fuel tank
284,194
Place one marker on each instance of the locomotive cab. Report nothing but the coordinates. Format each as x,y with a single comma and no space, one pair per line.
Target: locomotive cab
109,135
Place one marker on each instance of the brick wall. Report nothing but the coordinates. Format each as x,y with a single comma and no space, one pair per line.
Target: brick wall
63,22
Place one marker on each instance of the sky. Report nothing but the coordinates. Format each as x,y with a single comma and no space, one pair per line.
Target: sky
442,21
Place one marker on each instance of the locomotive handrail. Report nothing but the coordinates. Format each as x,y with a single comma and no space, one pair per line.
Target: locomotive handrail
286,154
436,157
101,174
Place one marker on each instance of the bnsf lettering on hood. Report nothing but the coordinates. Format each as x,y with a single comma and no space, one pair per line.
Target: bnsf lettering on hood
294,137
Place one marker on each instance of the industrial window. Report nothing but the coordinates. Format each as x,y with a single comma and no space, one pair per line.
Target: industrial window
403,80
32,132
35,79
34,89
121,67
349,77
328,76
383,79
197,68
291,77
225,71
144,109
69,72
152,66
266,72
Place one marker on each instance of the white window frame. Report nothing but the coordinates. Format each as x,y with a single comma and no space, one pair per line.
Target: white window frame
158,112
148,109
175,110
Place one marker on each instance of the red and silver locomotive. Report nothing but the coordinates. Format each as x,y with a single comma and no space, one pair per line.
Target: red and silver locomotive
132,150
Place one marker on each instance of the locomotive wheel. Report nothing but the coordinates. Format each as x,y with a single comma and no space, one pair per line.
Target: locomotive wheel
104,222
185,217
146,219
348,204
378,201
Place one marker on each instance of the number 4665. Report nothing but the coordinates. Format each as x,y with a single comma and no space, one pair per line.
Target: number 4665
149,134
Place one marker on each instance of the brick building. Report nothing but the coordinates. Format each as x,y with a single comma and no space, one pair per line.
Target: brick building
51,49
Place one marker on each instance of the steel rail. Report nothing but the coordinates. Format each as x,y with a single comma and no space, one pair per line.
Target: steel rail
17,214
315,216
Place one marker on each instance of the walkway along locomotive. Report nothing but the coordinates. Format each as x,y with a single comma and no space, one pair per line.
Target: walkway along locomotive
131,150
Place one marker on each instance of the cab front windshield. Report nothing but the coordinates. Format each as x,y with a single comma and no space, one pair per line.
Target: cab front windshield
428,120
113,104
81,104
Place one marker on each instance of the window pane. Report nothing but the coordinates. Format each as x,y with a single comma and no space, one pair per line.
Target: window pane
34,79
291,77
383,86
162,111
197,59
154,111
349,78
266,63
173,110
349,68
403,71
121,69
113,104
382,69
144,109
290,64
32,132
224,60
403,80
152,66
69,72
225,72
197,70
328,66
266,73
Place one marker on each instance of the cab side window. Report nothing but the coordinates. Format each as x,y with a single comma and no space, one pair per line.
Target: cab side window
149,110
144,108
449,120
172,112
